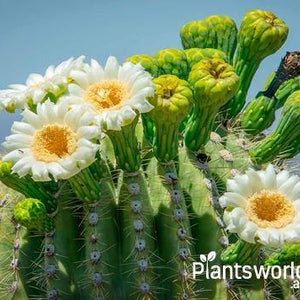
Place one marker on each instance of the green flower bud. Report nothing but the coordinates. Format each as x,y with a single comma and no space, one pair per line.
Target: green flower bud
214,82
261,34
5,169
284,135
28,187
173,61
241,253
32,214
194,55
289,253
148,62
172,102
217,32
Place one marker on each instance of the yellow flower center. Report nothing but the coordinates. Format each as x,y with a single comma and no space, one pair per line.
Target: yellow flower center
107,94
270,209
53,142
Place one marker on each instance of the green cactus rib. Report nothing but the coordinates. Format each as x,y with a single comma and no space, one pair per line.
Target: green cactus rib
284,135
137,238
28,187
148,127
175,243
94,187
214,82
198,128
61,254
260,35
217,32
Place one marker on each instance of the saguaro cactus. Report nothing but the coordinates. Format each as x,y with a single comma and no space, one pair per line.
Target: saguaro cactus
120,179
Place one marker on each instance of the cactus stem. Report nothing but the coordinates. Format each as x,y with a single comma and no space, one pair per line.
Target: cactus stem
137,246
175,242
94,187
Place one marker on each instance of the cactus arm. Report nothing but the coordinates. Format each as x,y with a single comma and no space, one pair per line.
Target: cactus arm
259,114
253,46
284,135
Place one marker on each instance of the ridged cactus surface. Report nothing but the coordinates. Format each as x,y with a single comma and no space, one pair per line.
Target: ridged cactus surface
121,178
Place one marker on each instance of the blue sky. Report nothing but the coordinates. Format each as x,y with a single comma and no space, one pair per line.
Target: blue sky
37,33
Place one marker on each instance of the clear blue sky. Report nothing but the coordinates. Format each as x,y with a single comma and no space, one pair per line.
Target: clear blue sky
37,33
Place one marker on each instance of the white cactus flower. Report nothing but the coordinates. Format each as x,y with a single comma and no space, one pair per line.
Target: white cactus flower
37,86
263,207
115,94
55,141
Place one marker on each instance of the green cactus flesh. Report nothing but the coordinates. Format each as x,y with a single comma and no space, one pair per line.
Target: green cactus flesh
150,204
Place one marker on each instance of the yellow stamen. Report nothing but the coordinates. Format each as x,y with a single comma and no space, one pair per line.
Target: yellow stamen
53,142
107,94
270,209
